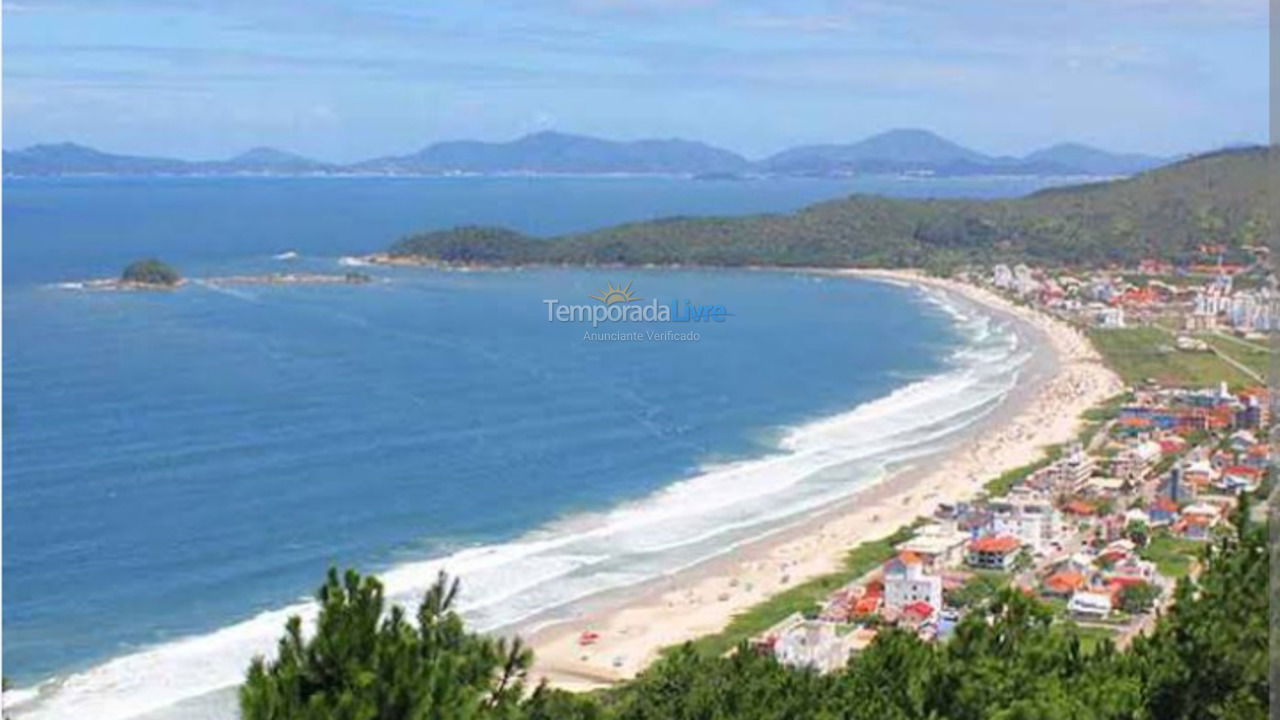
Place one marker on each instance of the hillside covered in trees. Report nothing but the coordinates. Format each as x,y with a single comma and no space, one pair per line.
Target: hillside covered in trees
1008,660
1170,212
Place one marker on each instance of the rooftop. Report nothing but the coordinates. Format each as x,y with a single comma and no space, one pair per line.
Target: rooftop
995,544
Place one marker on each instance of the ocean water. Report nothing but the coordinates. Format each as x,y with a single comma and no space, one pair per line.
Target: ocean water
181,468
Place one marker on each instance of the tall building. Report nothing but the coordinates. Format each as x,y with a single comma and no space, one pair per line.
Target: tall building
906,582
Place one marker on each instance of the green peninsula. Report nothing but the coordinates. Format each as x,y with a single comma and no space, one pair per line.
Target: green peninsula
1219,198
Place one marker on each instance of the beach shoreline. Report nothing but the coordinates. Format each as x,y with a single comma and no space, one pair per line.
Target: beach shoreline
636,622
1064,378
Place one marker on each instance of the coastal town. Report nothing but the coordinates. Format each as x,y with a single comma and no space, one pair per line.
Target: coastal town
1102,528
1210,318
640,360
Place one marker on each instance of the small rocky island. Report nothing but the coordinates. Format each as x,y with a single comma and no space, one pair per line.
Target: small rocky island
150,273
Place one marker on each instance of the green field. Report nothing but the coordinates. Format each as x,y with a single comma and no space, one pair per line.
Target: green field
1172,555
1002,484
1252,355
1147,353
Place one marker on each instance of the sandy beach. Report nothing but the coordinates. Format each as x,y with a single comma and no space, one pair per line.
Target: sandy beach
633,626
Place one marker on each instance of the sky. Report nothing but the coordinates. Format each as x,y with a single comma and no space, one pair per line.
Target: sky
342,80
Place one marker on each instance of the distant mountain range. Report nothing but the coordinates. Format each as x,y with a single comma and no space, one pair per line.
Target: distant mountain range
920,151
903,151
73,159
552,152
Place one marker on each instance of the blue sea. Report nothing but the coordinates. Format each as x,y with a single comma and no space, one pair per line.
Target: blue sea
182,467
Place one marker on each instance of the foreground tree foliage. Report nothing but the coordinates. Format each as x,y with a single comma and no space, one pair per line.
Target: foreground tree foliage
364,663
1208,659
1008,661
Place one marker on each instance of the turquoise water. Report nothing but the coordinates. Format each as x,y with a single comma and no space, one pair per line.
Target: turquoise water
182,467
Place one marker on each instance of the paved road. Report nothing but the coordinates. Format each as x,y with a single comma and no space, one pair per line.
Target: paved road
1238,365
1241,341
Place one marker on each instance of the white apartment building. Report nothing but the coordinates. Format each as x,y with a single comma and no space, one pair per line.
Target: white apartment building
1035,522
906,582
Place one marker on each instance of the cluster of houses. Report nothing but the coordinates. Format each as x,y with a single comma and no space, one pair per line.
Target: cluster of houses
1170,463
1115,299
1209,409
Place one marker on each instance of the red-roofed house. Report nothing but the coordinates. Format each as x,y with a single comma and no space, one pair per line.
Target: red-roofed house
1136,296
1194,526
1259,392
1134,423
1163,511
993,552
1079,507
1110,556
1116,585
917,611
1240,478
1221,418
1064,582
867,605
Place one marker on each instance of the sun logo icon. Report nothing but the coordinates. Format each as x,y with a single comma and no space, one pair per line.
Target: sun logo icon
611,295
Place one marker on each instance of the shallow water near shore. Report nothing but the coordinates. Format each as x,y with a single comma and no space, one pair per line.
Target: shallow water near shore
183,466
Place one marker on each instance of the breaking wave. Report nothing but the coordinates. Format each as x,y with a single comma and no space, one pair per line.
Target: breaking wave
543,573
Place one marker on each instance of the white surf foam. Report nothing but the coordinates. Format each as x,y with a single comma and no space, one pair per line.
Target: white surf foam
687,522
236,293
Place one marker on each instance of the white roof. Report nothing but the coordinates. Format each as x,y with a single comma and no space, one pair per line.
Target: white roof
1123,545
1136,515
1147,450
1201,509
1106,483
934,543
1090,601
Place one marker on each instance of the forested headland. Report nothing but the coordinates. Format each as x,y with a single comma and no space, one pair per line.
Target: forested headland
1168,213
